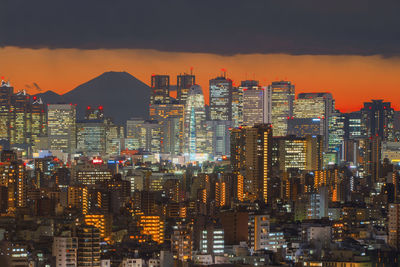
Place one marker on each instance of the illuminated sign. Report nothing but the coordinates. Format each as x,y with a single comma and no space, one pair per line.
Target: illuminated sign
97,161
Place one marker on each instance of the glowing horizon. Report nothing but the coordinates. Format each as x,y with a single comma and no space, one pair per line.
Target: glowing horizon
352,80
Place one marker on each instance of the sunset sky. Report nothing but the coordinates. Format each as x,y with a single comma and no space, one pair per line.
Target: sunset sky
348,48
351,79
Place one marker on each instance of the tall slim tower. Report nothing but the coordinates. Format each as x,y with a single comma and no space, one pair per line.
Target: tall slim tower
195,123
88,246
6,92
20,126
62,127
183,84
159,89
282,97
221,99
39,119
251,155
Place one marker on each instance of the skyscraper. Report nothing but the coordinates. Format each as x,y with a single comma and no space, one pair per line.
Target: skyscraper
354,125
39,119
170,118
91,136
62,127
251,154
377,119
237,106
336,136
6,92
20,124
256,105
282,97
315,106
195,124
219,132
221,99
183,84
159,89
302,153
133,127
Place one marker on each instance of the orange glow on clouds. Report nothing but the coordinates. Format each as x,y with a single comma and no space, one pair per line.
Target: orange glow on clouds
351,79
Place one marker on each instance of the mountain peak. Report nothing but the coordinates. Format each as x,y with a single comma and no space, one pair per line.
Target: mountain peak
121,94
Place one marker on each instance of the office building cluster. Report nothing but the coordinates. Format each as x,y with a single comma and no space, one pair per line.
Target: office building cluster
251,175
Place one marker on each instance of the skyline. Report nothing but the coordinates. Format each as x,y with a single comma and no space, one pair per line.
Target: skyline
61,70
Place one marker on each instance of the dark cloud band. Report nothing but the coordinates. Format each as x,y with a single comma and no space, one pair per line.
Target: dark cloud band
358,27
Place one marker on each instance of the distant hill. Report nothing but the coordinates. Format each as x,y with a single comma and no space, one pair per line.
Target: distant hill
122,96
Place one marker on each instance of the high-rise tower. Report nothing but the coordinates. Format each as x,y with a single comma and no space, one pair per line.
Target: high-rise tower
195,124
159,89
377,120
251,154
183,84
62,127
282,97
221,99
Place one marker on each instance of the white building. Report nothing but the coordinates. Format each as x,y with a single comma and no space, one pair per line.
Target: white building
65,251
259,229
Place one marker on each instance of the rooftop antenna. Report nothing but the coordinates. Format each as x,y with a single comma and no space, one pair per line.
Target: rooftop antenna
224,73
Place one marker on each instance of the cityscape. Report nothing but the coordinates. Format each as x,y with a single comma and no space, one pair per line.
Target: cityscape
199,133
261,176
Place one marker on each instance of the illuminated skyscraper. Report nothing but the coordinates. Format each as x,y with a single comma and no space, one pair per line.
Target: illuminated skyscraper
315,105
183,84
221,99
336,128
377,120
282,97
13,176
302,153
195,124
354,125
91,136
237,106
256,105
133,127
170,118
150,136
62,127
39,119
20,124
219,137
6,92
251,155
159,89
114,134
305,126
